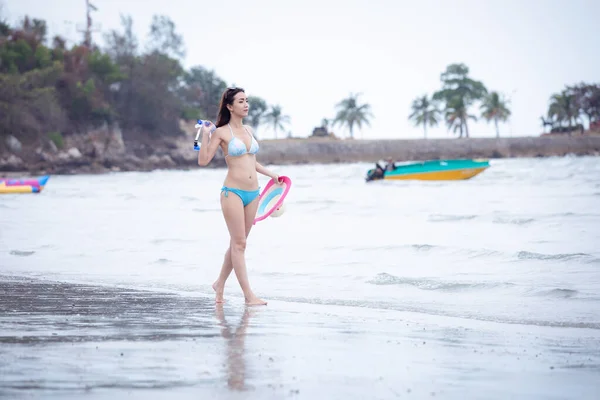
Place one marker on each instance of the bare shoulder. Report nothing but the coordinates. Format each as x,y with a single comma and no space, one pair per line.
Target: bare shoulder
219,132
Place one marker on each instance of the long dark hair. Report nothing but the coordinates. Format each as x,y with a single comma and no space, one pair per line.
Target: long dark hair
227,98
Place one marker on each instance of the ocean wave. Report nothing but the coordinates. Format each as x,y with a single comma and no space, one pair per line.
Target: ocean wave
558,293
416,247
563,293
318,201
581,366
528,255
202,210
515,221
368,248
572,214
403,307
479,253
21,253
450,217
167,240
423,247
468,252
127,196
430,284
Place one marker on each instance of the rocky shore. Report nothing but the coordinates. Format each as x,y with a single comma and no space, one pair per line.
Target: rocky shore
105,150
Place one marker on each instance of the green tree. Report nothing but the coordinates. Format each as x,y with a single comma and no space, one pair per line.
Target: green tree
587,100
350,113
22,48
156,106
456,114
494,108
460,90
29,105
424,112
122,48
4,26
563,108
149,100
202,92
68,89
164,39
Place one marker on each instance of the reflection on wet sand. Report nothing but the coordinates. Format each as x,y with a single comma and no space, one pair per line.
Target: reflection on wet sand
235,341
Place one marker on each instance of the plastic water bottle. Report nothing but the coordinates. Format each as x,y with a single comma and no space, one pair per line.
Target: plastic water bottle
199,127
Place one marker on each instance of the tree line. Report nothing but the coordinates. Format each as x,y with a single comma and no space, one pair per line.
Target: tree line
459,92
48,89
568,109
452,102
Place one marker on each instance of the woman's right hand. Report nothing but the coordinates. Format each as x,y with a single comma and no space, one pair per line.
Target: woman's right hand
208,127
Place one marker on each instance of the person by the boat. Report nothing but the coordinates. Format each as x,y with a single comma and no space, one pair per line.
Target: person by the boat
390,166
240,191
377,172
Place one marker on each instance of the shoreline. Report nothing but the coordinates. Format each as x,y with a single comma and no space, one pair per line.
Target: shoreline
90,155
103,341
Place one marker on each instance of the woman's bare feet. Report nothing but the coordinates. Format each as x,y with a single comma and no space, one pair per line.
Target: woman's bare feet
252,300
219,288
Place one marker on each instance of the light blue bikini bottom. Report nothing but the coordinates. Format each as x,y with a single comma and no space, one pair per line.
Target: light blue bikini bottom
247,196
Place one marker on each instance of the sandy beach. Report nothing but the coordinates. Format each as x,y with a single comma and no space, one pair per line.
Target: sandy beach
62,340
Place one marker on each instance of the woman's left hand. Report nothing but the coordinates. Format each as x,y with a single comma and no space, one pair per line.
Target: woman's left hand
276,178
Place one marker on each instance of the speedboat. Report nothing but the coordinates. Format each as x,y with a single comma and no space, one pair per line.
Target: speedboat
431,170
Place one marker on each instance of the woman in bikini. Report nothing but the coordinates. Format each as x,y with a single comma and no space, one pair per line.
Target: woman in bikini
240,191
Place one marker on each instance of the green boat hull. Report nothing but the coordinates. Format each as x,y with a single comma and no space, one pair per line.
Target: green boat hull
434,170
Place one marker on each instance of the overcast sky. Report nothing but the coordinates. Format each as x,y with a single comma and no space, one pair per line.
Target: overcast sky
308,55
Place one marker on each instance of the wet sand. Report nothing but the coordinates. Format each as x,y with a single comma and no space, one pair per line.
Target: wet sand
67,341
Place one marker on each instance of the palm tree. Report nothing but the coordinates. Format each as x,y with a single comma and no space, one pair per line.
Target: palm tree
494,108
350,113
276,118
424,112
564,108
457,116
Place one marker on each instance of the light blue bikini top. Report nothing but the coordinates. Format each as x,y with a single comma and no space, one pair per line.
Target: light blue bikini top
236,146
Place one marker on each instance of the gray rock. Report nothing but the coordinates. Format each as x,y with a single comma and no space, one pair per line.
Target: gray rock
154,159
13,144
74,153
166,160
11,163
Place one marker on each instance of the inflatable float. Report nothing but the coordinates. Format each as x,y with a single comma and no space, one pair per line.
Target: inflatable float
271,199
32,185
